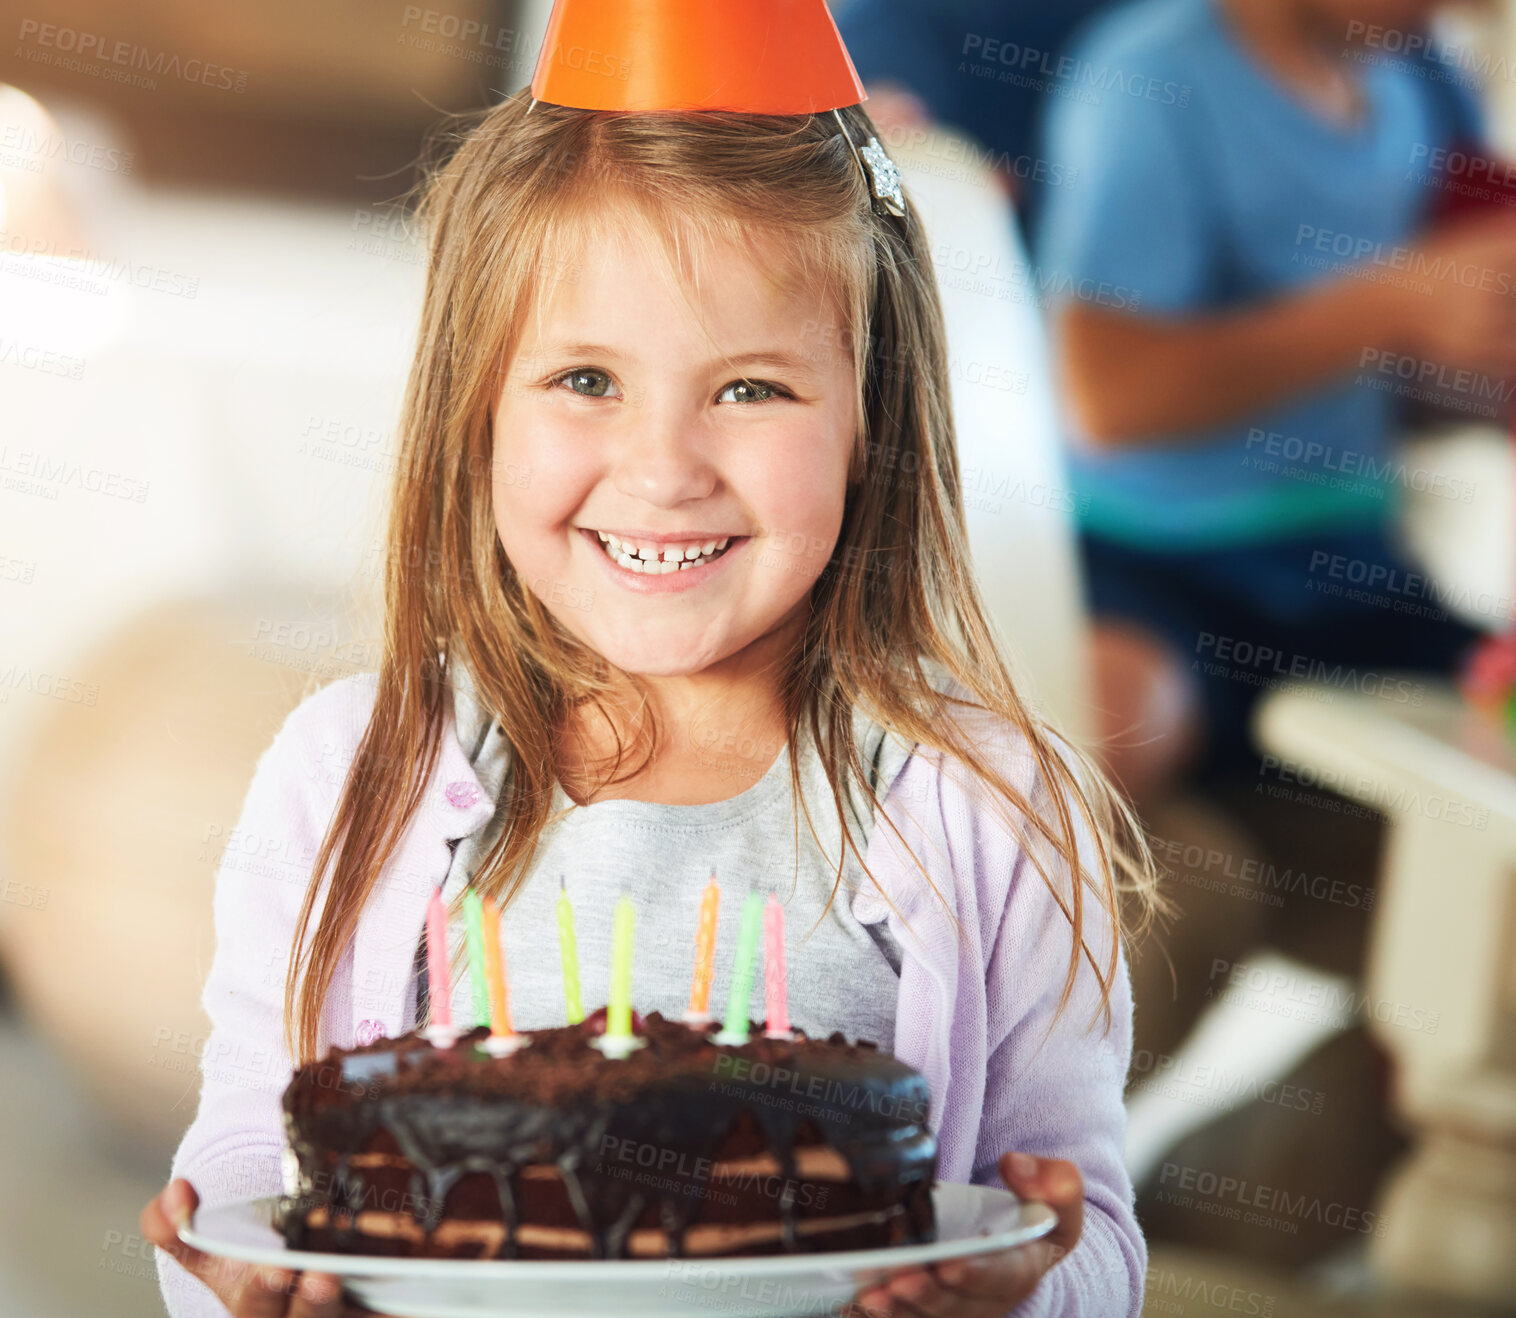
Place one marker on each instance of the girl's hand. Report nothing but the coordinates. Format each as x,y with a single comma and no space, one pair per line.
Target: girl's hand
247,1290
989,1285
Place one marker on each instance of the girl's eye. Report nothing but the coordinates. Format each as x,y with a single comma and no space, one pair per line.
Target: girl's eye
757,391
584,373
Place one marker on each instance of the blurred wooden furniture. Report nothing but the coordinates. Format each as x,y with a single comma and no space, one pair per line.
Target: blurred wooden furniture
112,835
328,99
1440,989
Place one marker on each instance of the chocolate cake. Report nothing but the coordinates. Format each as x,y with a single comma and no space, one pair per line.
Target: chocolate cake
684,1148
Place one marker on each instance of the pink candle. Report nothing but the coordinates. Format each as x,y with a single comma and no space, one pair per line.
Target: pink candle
777,1026
439,982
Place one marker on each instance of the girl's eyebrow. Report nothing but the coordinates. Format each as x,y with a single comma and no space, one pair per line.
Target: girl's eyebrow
779,357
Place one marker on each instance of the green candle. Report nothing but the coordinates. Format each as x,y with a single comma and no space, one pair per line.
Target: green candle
473,913
618,1012
734,1029
572,1003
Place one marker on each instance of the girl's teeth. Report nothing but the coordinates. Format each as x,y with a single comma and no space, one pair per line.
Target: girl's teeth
638,558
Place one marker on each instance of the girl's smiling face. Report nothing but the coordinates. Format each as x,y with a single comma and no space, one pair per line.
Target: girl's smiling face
621,416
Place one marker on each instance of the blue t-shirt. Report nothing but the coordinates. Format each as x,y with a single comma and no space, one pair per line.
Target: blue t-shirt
1204,183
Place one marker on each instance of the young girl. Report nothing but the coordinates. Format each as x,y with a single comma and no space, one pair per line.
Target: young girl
678,579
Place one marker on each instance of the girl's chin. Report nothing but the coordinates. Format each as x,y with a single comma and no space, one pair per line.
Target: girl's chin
669,658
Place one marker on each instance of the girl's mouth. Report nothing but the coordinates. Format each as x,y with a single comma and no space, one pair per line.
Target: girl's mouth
664,560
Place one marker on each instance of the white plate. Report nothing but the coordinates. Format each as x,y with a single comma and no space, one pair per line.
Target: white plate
971,1219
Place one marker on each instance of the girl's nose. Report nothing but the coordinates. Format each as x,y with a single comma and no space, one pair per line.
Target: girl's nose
664,461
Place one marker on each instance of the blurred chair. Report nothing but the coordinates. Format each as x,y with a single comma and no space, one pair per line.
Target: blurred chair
1018,502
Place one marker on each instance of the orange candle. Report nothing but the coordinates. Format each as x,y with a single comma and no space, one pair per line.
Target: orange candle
705,955
503,1039
494,972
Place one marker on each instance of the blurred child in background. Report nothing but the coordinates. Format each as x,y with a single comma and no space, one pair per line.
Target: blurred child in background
1240,281
1246,245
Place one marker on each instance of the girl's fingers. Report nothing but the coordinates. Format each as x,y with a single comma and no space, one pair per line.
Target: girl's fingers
1003,1278
920,1292
247,1291
1054,1182
913,1291
158,1222
318,1295
874,1299
266,1293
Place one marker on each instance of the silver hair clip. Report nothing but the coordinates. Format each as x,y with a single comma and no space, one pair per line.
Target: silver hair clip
879,170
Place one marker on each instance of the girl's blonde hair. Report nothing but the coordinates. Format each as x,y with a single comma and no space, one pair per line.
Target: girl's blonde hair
512,196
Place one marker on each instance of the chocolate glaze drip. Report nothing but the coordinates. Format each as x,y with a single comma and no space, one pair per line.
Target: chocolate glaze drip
680,1104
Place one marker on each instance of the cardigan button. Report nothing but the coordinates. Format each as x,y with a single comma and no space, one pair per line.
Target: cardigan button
369,1031
462,794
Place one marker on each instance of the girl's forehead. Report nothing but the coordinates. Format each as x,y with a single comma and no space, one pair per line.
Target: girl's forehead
707,270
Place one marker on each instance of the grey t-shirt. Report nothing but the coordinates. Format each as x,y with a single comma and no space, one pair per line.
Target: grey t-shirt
840,974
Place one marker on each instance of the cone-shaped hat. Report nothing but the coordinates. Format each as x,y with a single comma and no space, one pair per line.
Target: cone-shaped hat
758,56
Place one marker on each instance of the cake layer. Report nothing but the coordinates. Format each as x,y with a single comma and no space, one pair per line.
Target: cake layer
399,1234
684,1148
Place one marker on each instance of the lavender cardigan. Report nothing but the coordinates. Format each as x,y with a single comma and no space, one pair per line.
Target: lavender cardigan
974,1015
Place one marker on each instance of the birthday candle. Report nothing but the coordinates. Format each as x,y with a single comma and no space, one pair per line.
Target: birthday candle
572,1003
473,913
618,1014
705,951
494,972
734,1030
777,1024
439,981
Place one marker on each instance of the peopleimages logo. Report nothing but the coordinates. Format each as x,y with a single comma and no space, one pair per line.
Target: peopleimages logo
1369,471
1461,164
1025,281
1260,1205
819,1089
1378,795
1397,586
1264,877
1446,57
1066,75
1408,260
1278,992
118,60
1264,665
1165,1291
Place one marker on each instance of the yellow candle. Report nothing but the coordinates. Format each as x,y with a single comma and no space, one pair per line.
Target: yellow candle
494,972
618,1013
570,953
705,950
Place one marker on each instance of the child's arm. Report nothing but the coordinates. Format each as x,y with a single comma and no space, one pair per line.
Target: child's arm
1053,1089
232,1150
1153,341
1132,379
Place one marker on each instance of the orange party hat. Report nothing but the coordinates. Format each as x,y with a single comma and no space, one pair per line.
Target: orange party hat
750,56
758,56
